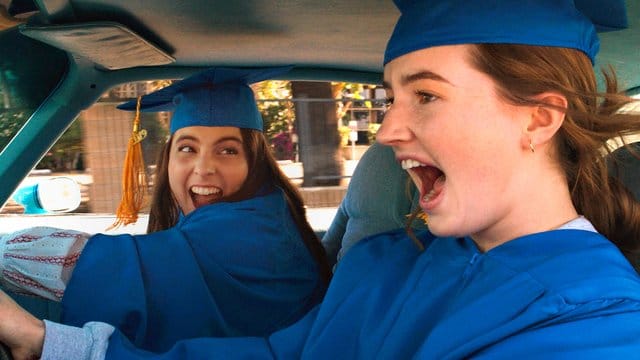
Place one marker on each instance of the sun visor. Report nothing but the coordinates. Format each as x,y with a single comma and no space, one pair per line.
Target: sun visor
110,45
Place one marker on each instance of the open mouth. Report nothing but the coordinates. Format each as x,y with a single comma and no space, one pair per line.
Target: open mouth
204,195
428,179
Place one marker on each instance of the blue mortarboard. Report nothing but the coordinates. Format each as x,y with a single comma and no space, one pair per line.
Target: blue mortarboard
214,97
561,23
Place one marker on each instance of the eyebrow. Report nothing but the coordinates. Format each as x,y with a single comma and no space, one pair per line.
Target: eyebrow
420,75
222,139
229,138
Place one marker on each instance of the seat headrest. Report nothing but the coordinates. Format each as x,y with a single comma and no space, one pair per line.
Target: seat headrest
378,199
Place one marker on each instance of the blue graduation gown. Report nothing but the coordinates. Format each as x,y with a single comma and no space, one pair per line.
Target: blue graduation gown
226,269
558,294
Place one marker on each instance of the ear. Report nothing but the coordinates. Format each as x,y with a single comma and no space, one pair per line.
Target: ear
545,120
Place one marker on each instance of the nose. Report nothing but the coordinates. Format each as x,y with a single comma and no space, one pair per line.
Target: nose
205,165
394,128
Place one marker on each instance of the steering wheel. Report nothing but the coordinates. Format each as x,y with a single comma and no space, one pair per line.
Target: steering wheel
5,353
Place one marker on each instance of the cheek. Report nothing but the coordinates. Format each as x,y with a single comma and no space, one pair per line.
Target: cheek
475,145
240,175
176,175
233,174
485,158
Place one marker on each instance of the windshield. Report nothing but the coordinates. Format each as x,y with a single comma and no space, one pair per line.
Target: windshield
29,71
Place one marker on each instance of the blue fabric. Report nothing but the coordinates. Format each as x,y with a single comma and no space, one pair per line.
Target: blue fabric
226,269
606,15
214,97
428,23
558,294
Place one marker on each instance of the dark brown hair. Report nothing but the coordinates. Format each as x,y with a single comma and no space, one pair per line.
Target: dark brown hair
264,173
591,119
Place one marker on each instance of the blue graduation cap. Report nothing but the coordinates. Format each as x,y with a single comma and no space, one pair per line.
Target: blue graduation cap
561,23
214,97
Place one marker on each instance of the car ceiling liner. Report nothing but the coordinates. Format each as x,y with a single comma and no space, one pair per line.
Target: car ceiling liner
110,45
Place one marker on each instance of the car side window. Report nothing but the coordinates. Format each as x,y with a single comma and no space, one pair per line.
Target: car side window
316,137
23,86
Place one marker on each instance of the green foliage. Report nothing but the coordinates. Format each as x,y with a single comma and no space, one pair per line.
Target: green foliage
278,116
157,135
349,93
11,121
373,130
344,135
66,153
345,131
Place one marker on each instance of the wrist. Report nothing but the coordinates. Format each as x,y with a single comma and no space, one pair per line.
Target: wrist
36,332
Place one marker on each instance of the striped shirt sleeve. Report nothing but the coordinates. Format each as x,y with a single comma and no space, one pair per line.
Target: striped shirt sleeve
39,261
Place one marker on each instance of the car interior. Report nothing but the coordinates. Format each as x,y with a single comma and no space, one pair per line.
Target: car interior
68,53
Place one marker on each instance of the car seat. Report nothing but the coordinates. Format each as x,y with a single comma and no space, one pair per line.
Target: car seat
378,199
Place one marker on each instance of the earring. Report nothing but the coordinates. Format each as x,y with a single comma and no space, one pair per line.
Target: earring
533,149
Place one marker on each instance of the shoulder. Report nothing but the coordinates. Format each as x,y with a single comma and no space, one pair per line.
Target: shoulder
271,205
267,201
262,221
580,266
391,245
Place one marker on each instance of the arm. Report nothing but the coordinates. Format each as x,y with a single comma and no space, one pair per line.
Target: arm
19,330
39,261
612,333
98,341
252,280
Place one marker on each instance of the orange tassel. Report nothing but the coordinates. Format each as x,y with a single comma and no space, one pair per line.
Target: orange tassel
420,215
424,217
134,177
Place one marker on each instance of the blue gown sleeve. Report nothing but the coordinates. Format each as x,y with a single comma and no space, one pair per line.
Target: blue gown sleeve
613,334
287,343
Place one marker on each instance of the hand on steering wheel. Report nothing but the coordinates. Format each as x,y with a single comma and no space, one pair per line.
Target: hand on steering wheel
19,330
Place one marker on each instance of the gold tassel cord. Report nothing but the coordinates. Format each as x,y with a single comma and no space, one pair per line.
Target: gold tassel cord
424,217
134,177
417,214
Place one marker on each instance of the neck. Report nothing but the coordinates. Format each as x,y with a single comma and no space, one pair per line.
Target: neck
540,205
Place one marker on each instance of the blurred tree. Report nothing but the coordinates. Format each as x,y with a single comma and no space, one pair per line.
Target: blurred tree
317,119
278,116
157,135
320,142
66,153
20,95
11,120
348,93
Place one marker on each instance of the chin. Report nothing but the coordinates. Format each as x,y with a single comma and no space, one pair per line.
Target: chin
442,230
186,211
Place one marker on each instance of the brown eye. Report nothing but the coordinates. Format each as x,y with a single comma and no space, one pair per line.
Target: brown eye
426,97
229,151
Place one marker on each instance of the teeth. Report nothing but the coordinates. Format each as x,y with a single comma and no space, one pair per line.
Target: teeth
410,163
201,190
429,195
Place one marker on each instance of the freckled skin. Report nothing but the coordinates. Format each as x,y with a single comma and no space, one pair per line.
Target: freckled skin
206,156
